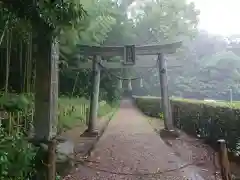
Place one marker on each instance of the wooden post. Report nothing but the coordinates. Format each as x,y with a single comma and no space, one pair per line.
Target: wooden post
231,98
87,115
170,112
223,160
164,93
46,97
52,160
94,94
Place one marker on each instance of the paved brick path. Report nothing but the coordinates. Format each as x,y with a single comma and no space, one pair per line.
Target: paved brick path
130,146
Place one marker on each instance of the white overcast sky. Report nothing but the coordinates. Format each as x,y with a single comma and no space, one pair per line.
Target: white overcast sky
219,16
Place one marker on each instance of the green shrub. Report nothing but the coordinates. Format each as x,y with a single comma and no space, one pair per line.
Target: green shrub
16,157
15,102
149,106
152,106
210,122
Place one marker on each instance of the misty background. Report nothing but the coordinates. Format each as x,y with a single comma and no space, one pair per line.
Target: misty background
206,66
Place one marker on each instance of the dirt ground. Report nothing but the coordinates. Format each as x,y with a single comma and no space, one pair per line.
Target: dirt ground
191,149
130,149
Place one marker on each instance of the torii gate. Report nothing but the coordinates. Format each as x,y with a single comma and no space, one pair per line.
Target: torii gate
46,96
46,106
128,53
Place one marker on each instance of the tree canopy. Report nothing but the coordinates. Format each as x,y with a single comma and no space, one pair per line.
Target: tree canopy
208,68
90,22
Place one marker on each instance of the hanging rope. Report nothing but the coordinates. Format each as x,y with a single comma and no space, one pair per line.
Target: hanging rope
146,84
128,79
120,84
4,30
141,82
122,78
129,84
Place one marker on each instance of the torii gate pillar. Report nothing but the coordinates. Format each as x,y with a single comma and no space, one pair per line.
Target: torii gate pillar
165,102
94,94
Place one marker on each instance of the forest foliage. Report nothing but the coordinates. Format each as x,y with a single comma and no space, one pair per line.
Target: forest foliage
92,22
208,68
24,25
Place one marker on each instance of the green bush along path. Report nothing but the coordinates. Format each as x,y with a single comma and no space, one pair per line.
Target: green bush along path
209,121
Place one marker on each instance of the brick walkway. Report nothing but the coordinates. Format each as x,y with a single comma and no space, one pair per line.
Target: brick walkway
130,146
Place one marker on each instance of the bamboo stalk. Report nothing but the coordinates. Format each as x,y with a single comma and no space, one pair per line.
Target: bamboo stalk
75,83
25,121
10,123
18,122
20,57
81,109
31,123
8,54
4,31
30,63
27,68
32,115
87,116
21,119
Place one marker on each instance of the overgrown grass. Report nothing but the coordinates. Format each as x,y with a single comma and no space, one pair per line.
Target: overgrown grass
72,111
107,108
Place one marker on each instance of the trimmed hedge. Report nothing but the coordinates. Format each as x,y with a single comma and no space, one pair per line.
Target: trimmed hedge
208,121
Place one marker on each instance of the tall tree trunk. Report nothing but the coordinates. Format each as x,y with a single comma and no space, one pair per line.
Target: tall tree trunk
21,63
25,69
8,58
29,69
4,31
28,65
46,94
